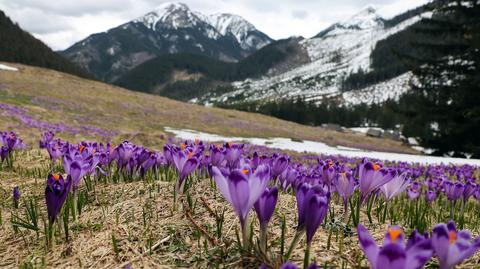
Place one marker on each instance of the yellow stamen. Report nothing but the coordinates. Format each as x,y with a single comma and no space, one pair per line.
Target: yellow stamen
93,151
197,141
182,146
394,233
56,176
452,237
376,167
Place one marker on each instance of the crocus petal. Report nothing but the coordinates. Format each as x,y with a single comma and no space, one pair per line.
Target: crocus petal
222,183
419,254
189,166
391,256
369,246
258,183
239,194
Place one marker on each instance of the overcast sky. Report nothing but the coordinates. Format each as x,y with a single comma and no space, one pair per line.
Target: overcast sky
60,23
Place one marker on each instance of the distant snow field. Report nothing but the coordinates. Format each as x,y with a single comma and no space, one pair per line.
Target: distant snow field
7,68
320,148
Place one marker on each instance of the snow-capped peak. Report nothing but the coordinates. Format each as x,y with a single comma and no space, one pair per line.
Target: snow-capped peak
364,19
171,14
234,24
178,15
237,26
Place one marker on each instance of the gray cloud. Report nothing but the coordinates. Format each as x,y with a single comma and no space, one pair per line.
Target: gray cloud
63,22
299,14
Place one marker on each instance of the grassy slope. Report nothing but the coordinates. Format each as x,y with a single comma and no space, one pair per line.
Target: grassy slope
61,98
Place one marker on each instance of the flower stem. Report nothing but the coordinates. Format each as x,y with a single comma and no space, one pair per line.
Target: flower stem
306,258
297,237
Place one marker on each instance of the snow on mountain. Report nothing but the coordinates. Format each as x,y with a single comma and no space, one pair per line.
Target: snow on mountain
243,30
379,93
178,15
342,48
170,28
365,19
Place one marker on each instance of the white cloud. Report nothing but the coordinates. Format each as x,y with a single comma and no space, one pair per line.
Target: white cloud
61,23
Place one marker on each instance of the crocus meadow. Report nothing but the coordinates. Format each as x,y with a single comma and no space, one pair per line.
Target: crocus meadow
333,195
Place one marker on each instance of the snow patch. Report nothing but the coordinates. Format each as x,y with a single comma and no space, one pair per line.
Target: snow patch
320,148
7,68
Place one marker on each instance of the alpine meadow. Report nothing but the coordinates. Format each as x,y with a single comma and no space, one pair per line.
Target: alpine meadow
240,134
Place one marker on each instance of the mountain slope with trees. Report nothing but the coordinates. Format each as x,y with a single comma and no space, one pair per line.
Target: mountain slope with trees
202,74
19,46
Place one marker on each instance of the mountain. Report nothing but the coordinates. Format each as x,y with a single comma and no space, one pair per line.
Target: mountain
344,50
19,46
186,76
169,29
37,99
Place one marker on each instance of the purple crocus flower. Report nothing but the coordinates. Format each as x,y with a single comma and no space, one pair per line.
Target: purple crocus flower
56,193
372,176
242,188
328,173
452,246
395,186
430,196
312,205
54,150
345,186
414,191
394,253
264,207
233,153
288,178
453,190
3,153
16,196
186,163
278,166
468,190
46,139
11,141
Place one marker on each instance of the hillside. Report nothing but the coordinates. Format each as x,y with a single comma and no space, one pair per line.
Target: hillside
40,99
171,28
186,76
352,46
19,46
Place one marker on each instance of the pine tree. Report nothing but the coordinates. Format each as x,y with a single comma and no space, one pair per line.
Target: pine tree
446,109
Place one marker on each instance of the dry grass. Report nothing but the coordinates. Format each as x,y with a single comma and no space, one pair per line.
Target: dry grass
150,234
60,98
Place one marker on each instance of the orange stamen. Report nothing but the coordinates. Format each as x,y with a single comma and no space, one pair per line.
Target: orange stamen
190,154
452,237
56,176
245,171
394,233
93,151
182,146
197,141
330,164
376,167
82,147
